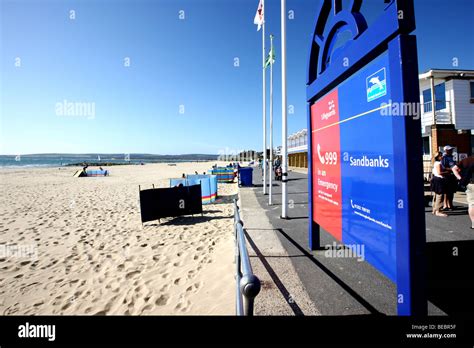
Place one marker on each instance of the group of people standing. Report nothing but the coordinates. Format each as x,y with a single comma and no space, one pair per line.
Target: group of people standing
450,177
443,183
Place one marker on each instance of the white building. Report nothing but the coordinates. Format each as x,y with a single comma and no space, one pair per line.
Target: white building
298,149
452,121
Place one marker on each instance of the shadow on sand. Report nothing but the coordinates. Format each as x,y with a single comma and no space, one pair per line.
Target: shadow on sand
186,220
225,199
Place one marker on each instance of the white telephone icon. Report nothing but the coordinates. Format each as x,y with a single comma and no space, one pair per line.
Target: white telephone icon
321,158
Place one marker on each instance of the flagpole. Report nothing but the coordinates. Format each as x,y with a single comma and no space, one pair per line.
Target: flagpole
270,174
264,105
284,164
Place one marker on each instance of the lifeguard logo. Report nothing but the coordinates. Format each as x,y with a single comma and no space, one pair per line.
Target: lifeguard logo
376,85
331,110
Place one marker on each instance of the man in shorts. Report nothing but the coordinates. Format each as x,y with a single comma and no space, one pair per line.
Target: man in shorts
464,171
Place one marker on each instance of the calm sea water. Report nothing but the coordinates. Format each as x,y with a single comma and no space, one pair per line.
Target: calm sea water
58,161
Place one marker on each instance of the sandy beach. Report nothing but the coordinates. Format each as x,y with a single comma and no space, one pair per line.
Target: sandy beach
89,254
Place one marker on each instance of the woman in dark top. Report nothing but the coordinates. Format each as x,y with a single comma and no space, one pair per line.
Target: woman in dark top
438,184
448,163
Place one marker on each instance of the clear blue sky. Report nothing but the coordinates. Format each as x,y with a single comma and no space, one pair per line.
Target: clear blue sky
174,62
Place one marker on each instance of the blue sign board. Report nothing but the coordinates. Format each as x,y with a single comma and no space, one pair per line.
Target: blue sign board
365,168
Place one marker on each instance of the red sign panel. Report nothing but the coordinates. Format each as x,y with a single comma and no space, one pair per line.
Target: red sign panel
327,195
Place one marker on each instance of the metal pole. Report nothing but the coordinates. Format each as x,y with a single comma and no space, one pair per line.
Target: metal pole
284,155
264,105
238,276
270,174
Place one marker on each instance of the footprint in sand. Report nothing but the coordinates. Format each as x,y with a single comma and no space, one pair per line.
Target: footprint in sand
183,306
132,274
37,304
165,288
162,300
66,306
146,308
178,281
191,274
157,245
193,288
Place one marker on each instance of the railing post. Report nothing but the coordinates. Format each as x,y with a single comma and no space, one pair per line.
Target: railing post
247,284
249,287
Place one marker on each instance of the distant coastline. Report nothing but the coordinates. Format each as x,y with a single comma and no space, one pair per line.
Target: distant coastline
97,159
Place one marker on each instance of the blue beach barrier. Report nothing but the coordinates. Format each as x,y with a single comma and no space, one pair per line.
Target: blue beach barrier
97,172
224,174
208,185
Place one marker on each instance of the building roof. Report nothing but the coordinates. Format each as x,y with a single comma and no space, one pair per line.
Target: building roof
298,134
447,74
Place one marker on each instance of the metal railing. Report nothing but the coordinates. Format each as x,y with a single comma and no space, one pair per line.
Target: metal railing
443,114
247,284
440,105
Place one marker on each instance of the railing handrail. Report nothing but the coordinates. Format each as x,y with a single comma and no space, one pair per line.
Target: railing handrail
247,284
428,106
443,115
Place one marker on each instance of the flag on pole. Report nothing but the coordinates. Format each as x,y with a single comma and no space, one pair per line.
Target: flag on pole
258,20
270,58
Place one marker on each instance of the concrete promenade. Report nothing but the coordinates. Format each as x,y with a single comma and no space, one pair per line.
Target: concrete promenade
300,282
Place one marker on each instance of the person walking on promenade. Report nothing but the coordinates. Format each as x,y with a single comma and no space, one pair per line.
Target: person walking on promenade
277,163
464,172
448,163
438,184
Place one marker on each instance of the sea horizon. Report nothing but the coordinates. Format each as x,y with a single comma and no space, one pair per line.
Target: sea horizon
68,159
